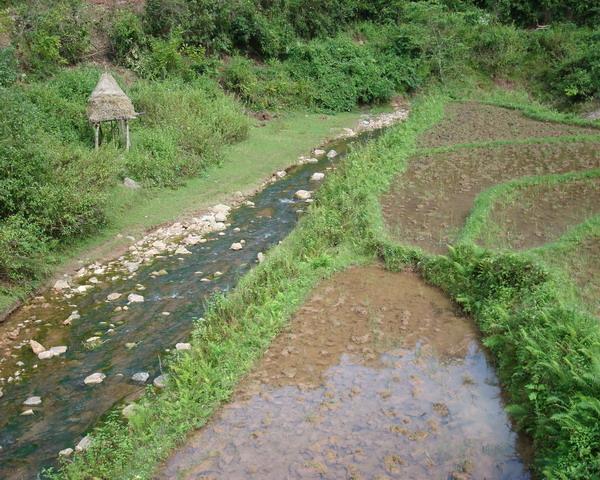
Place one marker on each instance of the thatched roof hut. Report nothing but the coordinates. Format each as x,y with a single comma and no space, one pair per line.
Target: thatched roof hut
108,102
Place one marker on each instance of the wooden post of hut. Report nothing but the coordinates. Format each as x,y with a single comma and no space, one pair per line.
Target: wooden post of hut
108,103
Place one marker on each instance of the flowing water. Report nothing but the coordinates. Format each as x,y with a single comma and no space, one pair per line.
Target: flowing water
69,407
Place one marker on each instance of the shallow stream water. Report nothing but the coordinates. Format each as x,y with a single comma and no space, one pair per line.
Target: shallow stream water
69,407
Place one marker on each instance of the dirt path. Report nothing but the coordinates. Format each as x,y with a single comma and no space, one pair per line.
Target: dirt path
377,376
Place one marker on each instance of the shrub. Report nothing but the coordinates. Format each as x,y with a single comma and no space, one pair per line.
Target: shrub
50,35
499,49
8,67
578,78
23,250
127,38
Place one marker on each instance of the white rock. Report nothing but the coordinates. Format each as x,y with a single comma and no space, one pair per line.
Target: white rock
220,208
83,444
183,346
236,246
315,177
58,350
131,266
181,250
159,244
318,151
141,377
94,378
113,296
135,298
46,355
220,217
61,285
160,381
92,339
67,452
82,288
27,412
303,194
260,257
332,154
36,347
281,174
33,401
312,160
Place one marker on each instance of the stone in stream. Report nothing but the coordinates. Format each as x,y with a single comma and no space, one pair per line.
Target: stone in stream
36,347
135,298
312,160
113,296
58,350
220,217
318,151
27,412
315,177
61,285
83,444
74,316
160,381
183,346
33,401
46,355
1,393
141,377
181,250
220,208
92,339
67,452
303,194
131,266
260,257
236,246
281,174
94,378
332,154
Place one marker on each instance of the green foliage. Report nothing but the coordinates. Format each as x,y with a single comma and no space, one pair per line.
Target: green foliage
9,67
48,36
578,78
127,38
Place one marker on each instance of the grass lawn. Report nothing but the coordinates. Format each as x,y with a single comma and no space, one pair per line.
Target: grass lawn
132,212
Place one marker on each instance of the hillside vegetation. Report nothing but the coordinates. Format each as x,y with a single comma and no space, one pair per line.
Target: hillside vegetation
197,65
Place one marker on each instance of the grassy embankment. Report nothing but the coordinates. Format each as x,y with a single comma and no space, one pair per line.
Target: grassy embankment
544,348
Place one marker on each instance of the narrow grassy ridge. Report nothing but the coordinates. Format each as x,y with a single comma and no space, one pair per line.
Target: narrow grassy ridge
546,348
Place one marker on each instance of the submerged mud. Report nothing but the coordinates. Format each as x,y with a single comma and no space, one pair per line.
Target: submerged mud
472,122
428,204
377,376
540,214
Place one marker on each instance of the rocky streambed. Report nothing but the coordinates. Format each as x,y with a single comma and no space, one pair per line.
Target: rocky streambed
98,337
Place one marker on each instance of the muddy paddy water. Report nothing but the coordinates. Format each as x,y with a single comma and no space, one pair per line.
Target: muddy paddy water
175,288
376,377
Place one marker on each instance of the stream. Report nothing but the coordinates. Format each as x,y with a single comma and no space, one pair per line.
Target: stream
173,302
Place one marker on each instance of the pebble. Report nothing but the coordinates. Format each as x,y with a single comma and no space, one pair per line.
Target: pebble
181,250
236,246
317,176
183,346
36,347
46,355
83,444
61,285
129,410
67,452
260,257
59,350
27,412
141,377
318,151
94,378
303,194
130,345
135,298
33,401
332,154
113,296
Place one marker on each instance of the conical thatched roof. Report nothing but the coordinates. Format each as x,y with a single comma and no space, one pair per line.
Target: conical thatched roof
109,102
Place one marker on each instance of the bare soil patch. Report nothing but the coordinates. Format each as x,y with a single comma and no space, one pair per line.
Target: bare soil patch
377,376
428,204
475,122
541,214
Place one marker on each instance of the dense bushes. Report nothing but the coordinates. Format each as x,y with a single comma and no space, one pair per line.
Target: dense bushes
53,185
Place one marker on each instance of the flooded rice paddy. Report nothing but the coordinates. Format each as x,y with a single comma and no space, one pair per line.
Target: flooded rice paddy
134,339
376,377
541,214
429,203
